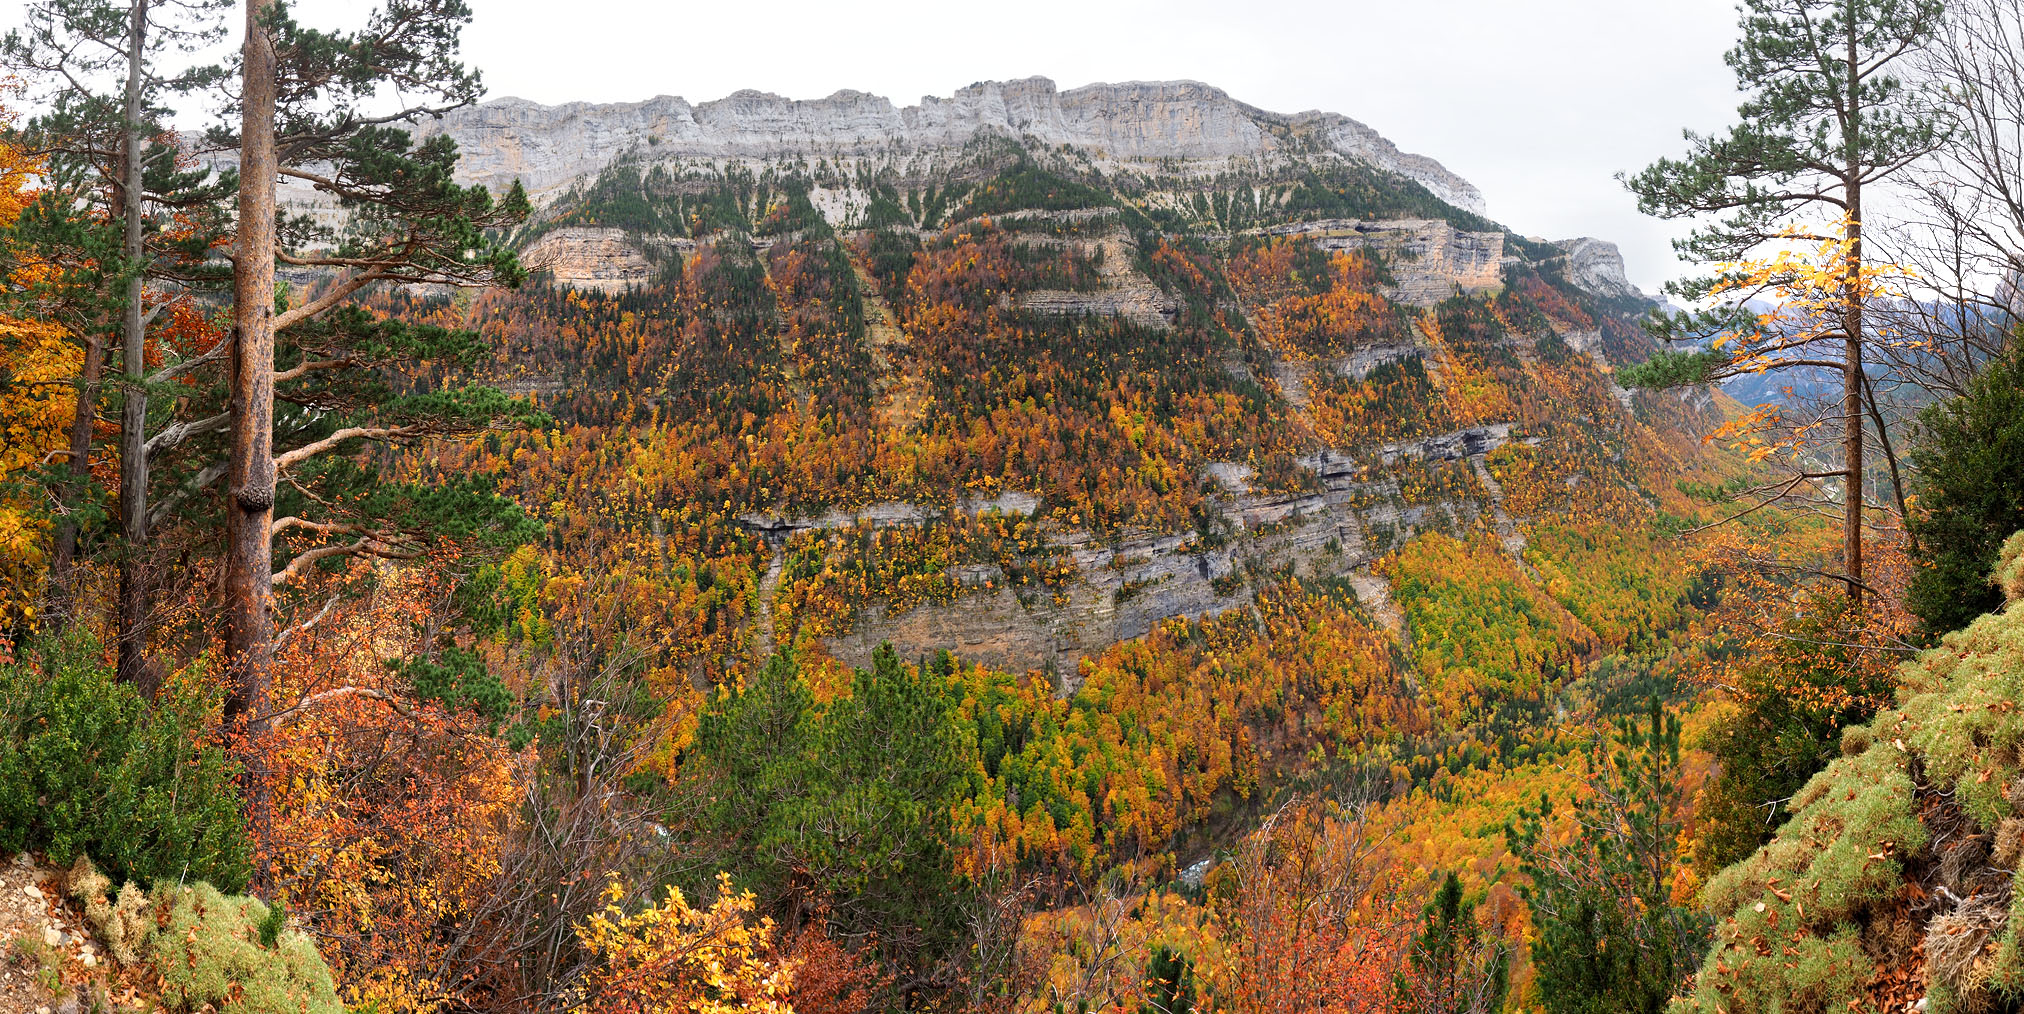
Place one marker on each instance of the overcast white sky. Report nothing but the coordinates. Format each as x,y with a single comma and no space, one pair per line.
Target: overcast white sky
1537,102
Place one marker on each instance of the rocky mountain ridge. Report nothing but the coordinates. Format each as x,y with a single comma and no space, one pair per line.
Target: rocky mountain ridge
1163,124
1183,147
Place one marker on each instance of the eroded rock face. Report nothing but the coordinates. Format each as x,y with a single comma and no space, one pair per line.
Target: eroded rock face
1596,265
1123,588
589,258
1429,257
1182,125
1123,291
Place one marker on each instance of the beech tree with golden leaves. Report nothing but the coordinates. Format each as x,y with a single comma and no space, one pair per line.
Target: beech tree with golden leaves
672,956
37,364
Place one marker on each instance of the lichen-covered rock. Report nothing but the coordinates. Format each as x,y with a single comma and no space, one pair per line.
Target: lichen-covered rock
211,952
1800,896
123,923
84,884
1922,806
210,956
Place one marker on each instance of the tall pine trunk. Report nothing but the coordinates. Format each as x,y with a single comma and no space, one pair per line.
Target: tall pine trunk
249,496
133,453
1852,402
1852,295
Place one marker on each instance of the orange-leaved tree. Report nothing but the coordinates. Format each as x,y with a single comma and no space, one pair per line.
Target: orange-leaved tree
37,365
1804,288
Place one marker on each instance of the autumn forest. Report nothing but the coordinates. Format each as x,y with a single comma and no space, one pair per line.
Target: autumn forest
1000,574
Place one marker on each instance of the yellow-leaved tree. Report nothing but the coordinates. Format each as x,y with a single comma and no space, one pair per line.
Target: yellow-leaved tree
37,365
672,957
1786,312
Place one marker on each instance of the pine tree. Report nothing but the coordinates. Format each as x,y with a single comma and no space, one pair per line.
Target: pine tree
128,229
850,808
1453,967
1825,118
311,111
1969,456
894,761
1170,983
756,746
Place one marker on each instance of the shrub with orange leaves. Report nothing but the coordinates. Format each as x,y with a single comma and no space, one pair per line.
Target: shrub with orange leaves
830,978
1310,917
391,815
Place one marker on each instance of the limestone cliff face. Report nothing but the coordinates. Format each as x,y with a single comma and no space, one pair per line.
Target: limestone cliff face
1596,265
1124,588
1430,258
589,258
1179,124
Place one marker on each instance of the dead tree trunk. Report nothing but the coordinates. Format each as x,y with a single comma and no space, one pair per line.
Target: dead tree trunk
249,491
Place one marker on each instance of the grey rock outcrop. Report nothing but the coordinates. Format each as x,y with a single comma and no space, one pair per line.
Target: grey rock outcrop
589,258
1430,258
1596,266
1123,588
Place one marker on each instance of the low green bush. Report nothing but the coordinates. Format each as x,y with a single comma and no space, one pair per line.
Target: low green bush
87,766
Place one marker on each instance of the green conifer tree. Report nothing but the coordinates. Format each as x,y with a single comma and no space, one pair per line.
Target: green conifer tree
1969,457
1610,939
1453,967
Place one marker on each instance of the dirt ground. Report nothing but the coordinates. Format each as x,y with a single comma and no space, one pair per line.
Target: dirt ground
43,943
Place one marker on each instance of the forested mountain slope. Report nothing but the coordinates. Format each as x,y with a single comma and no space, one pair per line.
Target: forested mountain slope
1025,539
1023,400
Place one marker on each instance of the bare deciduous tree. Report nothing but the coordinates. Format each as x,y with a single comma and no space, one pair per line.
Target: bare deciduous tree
1961,227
